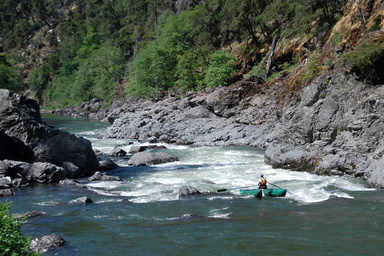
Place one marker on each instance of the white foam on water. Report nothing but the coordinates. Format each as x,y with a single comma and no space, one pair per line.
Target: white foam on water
209,169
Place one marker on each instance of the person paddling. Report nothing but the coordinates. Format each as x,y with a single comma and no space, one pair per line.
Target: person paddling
262,182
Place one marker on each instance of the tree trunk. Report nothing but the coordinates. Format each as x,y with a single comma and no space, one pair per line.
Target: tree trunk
271,52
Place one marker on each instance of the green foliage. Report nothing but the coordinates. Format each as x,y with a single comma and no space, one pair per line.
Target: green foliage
39,78
221,66
9,76
301,16
366,61
161,64
12,243
188,71
93,74
376,23
81,48
313,68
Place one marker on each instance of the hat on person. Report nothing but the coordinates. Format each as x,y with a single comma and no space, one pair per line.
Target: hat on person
261,175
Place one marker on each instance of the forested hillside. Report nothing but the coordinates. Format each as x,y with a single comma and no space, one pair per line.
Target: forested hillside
64,52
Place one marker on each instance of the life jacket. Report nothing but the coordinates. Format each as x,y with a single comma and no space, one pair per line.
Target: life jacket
263,182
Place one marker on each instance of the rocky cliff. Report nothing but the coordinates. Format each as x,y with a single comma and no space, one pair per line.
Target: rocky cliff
31,151
334,128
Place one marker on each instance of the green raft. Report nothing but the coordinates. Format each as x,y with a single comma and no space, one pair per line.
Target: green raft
276,192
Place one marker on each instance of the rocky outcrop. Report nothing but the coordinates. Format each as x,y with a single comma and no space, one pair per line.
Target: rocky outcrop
20,118
92,109
336,128
223,116
39,152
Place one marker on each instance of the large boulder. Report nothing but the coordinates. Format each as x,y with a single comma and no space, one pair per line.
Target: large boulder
150,158
44,173
20,118
61,147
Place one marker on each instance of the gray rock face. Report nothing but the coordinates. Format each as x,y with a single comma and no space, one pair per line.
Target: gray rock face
25,137
150,158
224,116
335,129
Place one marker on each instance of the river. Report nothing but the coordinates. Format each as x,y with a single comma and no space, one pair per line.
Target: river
142,215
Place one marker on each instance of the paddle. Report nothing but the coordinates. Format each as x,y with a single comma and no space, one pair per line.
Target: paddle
277,186
225,189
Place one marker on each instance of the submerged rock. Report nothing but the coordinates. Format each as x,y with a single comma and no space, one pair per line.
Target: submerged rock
28,215
192,216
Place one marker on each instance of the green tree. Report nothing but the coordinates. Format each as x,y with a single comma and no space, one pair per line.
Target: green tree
9,76
188,71
221,66
12,242
39,79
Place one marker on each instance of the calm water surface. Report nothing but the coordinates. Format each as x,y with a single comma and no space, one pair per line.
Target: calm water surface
142,215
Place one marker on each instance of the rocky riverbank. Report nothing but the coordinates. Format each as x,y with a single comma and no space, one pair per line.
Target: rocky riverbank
333,127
